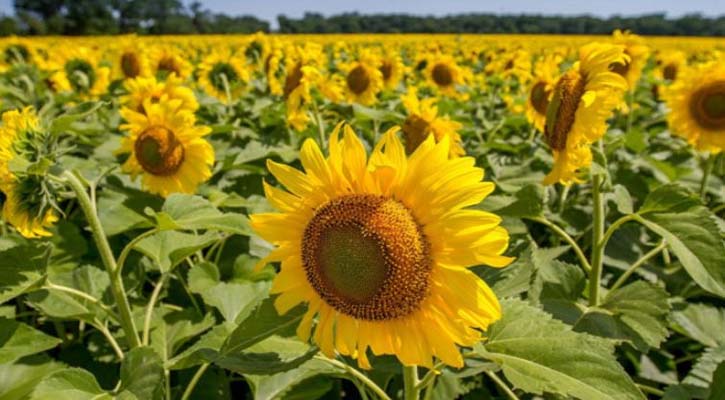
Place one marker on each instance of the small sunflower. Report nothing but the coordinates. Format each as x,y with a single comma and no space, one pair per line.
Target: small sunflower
301,74
697,105
541,87
423,121
223,74
582,101
17,51
148,88
392,67
379,249
669,64
24,207
445,75
131,61
637,52
167,60
363,79
166,148
78,69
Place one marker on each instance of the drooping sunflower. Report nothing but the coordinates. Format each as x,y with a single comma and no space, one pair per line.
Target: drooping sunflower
363,79
302,72
637,53
445,75
23,207
148,88
696,101
546,72
166,148
166,60
379,249
582,101
223,74
78,69
423,121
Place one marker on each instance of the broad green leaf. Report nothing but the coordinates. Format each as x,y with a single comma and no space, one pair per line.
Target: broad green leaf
187,212
22,268
235,300
203,276
193,355
17,380
529,202
668,198
702,322
121,210
142,374
268,387
63,123
58,305
270,356
70,384
623,200
541,355
695,239
636,312
91,280
700,377
171,329
18,340
717,389
168,248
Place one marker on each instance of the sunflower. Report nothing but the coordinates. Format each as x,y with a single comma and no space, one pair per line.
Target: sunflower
166,147
302,67
445,75
582,101
131,61
669,63
697,105
78,69
363,79
167,60
637,53
423,121
379,247
272,70
541,87
23,207
223,74
514,64
17,51
392,67
148,88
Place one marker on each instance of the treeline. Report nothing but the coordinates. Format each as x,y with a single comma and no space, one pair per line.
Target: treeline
94,17
653,24
102,17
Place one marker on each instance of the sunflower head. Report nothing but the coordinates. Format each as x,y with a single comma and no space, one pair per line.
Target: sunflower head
363,80
223,74
78,69
423,120
149,89
630,68
445,75
378,248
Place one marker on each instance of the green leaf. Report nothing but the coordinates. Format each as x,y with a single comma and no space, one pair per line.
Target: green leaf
235,300
539,354
168,248
19,340
275,386
700,377
717,390
70,384
119,210
529,202
270,356
636,312
203,276
142,374
58,305
193,355
695,239
702,322
22,269
187,212
63,123
668,198
171,329
623,200
19,379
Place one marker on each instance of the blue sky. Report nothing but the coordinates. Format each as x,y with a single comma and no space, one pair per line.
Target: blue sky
269,10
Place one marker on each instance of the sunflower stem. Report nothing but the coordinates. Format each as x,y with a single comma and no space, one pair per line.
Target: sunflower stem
410,380
502,385
568,239
706,171
150,307
109,262
357,375
320,124
194,380
595,275
638,264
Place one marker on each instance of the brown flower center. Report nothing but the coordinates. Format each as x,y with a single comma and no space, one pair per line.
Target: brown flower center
539,97
387,70
358,80
620,68
707,106
168,64
130,64
158,151
294,78
415,130
442,75
561,112
367,257
670,72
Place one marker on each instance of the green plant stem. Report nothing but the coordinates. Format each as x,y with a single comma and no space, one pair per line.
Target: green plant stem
638,264
718,208
650,390
150,307
107,334
82,295
320,125
612,228
501,384
430,376
568,239
706,172
127,249
410,381
357,375
109,262
595,275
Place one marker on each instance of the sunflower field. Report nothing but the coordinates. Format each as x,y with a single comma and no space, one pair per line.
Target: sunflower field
408,217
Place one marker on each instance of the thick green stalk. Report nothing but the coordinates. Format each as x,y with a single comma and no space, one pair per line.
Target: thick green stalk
595,275
410,381
706,171
109,262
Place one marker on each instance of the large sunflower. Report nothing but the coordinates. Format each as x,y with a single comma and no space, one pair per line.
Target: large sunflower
78,69
582,101
697,105
148,88
223,74
379,247
23,207
166,147
423,121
